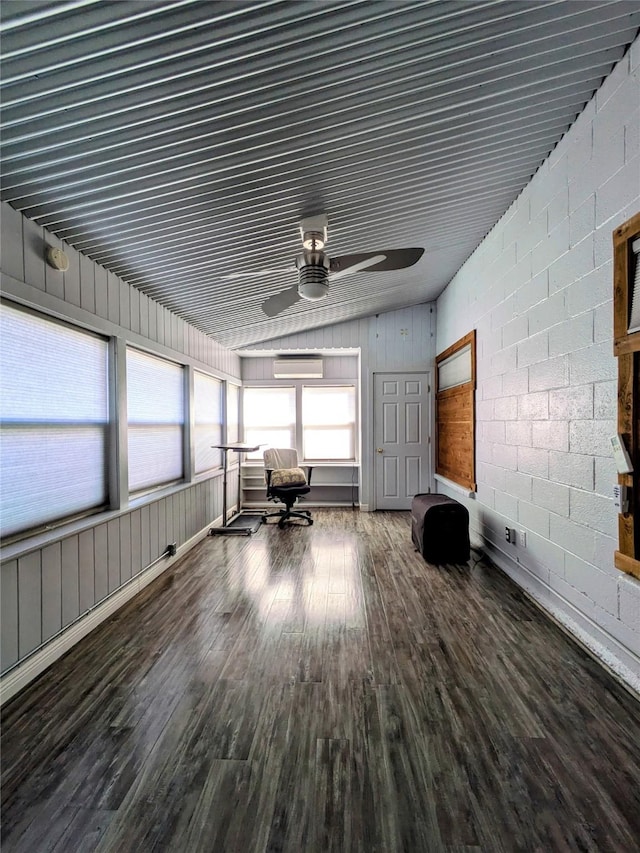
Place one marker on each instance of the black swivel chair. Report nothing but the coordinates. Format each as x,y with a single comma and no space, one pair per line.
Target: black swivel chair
286,482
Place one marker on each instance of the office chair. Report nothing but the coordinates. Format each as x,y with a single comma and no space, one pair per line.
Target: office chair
286,482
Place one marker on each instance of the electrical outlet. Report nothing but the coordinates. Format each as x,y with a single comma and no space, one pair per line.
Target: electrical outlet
510,535
507,534
523,538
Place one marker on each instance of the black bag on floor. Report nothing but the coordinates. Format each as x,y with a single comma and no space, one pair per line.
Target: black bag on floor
440,529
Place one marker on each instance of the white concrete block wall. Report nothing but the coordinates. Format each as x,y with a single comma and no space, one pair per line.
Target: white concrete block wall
538,290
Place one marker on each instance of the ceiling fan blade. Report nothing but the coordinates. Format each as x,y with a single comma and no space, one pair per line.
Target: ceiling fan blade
280,301
367,261
383,261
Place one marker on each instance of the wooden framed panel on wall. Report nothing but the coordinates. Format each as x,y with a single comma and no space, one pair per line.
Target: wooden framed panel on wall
626,346
455,412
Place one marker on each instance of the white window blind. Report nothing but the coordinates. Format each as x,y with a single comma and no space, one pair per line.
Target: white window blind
155,404
269,417
328,422
455,370
54,414
634,319
207,404
233,410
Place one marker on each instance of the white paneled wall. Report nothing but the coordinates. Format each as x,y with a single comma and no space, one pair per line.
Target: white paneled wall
539,292
332,485
49,583
398,341
340,368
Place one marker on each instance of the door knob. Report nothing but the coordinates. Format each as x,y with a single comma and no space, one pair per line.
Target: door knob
380,450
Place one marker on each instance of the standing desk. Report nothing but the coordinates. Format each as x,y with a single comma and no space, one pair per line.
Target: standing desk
242,524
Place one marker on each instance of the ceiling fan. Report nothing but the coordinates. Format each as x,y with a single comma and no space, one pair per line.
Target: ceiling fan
316,269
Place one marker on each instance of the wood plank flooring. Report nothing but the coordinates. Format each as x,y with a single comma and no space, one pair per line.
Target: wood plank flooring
323,689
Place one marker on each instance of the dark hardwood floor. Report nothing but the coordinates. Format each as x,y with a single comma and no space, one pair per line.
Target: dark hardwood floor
323,689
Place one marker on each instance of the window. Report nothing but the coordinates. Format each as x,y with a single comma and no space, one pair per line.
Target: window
455,412
269,417
155,403
207,417
55,420
626,346
328,422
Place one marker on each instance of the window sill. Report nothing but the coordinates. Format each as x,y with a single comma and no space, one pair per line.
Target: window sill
63,531
456,487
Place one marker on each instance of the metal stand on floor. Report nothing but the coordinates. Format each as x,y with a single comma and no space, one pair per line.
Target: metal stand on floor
242,523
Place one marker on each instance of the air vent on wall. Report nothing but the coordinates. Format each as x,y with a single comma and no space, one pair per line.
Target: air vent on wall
297,368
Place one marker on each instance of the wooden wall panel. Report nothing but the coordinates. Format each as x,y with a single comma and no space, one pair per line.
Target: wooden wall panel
102,292
125,302
33,248
144,315
101,571
125,548
134,309
136,554
153,320
86,570
72,277
29,602
113,554
87,284
70,580
9,652
113,298
12,249
145,537
51,590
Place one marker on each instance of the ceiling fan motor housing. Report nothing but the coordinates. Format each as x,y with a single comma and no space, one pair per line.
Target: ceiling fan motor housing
313,281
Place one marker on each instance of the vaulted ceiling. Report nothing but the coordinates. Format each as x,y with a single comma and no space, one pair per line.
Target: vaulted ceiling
180,143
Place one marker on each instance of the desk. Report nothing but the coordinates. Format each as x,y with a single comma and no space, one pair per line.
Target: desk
241,524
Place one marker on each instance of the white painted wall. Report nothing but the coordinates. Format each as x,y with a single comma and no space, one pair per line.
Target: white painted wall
400,341
57,586
539,292
332,485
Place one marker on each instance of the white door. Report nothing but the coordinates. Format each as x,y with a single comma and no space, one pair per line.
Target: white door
401,430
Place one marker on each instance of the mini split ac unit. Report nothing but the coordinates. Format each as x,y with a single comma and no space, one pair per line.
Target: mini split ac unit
297,368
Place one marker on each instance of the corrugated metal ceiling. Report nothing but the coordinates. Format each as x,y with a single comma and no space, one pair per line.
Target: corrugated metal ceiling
180,143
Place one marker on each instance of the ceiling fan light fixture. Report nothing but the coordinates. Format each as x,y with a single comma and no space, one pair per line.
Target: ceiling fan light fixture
313,280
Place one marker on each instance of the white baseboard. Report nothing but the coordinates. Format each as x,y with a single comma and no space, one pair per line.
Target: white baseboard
21,675
610,652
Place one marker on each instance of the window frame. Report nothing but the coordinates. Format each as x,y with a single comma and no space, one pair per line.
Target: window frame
220,425
256,456
297,443
187,440
58,521
456,404
626,348
352,425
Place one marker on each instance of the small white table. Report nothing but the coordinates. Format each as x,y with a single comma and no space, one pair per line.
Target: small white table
241,524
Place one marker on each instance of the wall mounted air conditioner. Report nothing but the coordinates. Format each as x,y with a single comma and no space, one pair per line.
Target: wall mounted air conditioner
297,368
